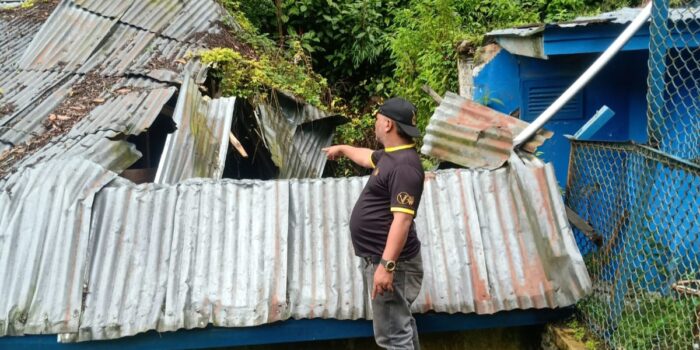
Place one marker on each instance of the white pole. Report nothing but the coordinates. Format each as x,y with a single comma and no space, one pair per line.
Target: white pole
584,78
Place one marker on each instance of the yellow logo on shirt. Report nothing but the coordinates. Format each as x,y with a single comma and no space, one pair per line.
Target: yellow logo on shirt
405,199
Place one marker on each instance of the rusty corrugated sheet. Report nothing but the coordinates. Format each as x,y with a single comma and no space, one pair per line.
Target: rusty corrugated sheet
242,253
472,135
43,257
198,148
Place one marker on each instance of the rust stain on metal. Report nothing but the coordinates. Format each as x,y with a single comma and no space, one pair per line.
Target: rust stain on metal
480,289
472,135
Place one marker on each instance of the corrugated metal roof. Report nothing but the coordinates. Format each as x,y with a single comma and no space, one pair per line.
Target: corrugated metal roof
622,16
10,3
15,35
124,45
93,138
155,16
101,148
241,253
32,96
223,265
195,17
67,39
113,9
43,257
472,135
130,113
304,158
281,121
198,148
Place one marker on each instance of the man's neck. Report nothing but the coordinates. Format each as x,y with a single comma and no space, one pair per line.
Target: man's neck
396,141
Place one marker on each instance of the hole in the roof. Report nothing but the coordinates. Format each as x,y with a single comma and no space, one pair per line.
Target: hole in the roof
258,164
151,144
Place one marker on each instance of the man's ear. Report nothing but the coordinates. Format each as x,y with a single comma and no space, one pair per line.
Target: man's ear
390,126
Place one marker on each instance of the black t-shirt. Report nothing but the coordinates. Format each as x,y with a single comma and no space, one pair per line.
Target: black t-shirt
396,184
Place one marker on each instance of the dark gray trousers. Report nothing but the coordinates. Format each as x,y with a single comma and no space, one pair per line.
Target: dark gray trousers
394,326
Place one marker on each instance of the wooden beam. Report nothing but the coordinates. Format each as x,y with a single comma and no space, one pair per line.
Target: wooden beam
237,145
432,94
584,226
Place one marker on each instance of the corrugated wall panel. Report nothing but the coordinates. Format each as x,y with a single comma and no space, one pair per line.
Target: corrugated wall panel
210,252
250,252
44,229
325,277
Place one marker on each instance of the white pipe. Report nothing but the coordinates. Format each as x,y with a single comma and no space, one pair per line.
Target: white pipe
584,78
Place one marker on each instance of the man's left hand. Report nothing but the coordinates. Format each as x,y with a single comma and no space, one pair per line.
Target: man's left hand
383,281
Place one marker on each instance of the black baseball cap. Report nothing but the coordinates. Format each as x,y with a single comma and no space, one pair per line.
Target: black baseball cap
403,113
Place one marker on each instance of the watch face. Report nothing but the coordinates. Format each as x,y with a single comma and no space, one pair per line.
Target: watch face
390,266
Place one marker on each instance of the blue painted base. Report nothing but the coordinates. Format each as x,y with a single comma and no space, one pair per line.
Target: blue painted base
291,331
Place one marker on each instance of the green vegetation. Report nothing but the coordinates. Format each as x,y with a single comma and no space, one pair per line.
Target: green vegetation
246,77
28,4
652,321
368,50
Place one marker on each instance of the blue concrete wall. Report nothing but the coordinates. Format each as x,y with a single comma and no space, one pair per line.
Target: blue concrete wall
621,85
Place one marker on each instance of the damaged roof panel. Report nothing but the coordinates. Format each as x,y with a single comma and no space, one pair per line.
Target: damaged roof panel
305,159
130,113
94,137
38,253
281,121
165,58
199,146
472,135
491,241
100,148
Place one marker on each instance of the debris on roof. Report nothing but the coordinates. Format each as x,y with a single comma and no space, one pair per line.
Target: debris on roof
474,136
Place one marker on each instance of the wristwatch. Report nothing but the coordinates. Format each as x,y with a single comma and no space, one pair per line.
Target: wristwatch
389,265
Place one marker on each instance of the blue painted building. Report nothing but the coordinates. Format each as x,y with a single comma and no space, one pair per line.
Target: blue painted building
529,67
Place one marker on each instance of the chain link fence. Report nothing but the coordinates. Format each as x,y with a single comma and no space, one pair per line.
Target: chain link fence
674,79
646,267
644,203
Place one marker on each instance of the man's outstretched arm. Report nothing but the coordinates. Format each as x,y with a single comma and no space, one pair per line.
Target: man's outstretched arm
360,156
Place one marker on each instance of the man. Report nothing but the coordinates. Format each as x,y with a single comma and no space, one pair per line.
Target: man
381,226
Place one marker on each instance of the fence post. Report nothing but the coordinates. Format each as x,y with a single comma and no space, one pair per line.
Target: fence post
658,47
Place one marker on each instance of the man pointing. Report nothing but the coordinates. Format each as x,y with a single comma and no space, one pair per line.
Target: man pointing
381,226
